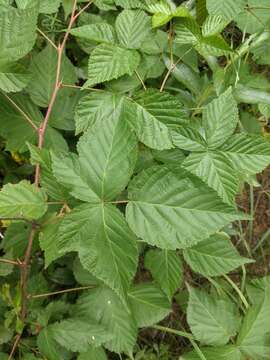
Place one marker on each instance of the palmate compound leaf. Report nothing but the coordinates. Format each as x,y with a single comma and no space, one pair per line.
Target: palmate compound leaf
148,303
214,256
106,246
109,62
212,321
150,113
166,268
254,335
17,32
107,156
132,28
76,335
171,209
221,157
109,312
22,200
228,352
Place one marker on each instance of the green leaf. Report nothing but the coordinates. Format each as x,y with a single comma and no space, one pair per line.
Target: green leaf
217,171
48,181
254,335
130,4
19,131
185,75
150,113
107,157
148,303
171,209
76,335
106,246
213,25
5,335
187,32
220,118
22,200
229,9
249,153
214,256
13,77
43,69
93,354
101,32
17,32
109,62
212,321
47,240
47,345
132,28
189,139
109,312
256,19
213,45
229,352
95,107
166,268
160,19
49,6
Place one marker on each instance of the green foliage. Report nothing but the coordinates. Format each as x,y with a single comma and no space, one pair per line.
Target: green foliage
127,130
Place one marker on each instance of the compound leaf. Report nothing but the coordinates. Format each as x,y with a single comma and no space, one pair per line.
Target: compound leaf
107,156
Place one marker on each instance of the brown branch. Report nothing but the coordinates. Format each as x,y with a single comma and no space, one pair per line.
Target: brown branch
27,118
41,130
38,296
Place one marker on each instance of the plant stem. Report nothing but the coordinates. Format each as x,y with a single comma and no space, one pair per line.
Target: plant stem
265,236
27,118
185,335
173,331
38,296
140,79
239,292
10,262
16,342
251,200
47,38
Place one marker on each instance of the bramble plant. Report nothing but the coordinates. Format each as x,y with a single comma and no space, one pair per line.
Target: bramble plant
127,128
